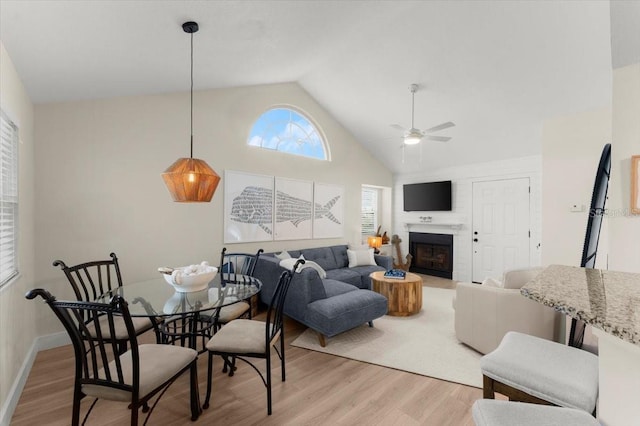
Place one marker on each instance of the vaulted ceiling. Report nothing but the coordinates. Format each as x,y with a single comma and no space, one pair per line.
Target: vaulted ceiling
495,68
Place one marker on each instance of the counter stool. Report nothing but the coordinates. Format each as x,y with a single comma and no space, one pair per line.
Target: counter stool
530,369
488,412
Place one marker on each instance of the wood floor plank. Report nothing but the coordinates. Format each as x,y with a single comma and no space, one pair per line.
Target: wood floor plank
320,389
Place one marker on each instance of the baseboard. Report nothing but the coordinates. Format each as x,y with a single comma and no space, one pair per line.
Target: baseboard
40,343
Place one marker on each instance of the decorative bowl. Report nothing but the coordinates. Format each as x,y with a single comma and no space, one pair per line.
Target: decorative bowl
185,280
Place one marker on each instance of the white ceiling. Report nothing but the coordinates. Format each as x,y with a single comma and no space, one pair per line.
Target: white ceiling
495,68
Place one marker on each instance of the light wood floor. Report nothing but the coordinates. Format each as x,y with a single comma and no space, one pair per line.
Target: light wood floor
320,389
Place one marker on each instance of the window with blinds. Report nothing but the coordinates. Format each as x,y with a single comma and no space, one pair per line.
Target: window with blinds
369,212
8,199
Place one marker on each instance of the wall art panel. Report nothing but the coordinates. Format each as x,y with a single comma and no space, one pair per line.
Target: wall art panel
328,217
294,209
248,207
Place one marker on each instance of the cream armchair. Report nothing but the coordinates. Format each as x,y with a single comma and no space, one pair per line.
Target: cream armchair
484,313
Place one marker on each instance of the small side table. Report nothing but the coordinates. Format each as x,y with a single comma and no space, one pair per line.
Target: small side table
404,296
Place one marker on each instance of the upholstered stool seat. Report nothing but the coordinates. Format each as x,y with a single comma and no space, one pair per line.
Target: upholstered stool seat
488,412
530,369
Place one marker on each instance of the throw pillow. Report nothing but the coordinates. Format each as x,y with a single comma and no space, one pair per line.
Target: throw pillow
490,282
283,255
360,257
289,264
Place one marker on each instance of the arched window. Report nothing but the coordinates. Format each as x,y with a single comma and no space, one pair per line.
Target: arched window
285,130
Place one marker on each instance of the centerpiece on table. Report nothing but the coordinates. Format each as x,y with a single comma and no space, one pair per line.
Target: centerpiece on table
189,278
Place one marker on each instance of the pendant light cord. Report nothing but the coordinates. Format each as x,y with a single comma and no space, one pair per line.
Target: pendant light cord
191,95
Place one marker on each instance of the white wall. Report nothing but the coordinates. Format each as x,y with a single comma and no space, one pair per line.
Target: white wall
624,228
571,148
462,178
100,190
17,326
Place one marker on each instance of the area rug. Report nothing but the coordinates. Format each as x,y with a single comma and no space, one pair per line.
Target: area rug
424,343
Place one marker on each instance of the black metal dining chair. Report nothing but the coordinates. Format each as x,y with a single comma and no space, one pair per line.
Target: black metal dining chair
102,371
231,265
92,279
246,338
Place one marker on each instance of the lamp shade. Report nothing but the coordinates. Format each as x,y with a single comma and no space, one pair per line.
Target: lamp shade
374,242
191,180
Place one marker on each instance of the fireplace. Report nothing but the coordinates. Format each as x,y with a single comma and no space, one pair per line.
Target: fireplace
432,254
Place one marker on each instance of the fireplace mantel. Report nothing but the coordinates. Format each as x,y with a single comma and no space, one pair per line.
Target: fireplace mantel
453,224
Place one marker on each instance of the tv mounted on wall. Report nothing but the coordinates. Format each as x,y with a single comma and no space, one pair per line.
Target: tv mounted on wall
428,196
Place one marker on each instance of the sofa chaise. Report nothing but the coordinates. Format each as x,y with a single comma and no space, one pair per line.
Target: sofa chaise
326,295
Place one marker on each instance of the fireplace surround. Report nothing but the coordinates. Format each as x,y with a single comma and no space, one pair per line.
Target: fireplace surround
432,254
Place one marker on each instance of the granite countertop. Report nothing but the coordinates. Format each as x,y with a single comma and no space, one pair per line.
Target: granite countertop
607,300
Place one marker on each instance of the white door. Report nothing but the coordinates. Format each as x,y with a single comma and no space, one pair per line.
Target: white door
500,229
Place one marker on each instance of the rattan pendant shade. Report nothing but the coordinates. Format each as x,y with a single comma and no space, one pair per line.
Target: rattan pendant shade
191,180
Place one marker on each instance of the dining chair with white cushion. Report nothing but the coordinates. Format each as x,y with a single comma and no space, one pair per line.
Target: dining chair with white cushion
97,277
102,371
245,338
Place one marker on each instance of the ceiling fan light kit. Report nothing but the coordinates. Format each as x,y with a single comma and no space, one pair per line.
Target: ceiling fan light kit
413,136
191,180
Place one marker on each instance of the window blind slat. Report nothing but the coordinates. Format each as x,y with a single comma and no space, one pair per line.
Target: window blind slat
8,199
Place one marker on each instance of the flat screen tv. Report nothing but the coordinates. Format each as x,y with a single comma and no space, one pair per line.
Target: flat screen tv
427,197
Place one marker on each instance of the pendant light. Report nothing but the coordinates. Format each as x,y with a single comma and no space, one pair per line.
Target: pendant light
191,180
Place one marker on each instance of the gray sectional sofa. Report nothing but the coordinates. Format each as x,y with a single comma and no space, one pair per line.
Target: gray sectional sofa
341,301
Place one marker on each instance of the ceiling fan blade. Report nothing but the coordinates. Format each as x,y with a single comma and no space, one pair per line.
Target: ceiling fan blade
440,127
398,127
438,138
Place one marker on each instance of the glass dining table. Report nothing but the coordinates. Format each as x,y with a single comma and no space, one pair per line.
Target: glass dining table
184,317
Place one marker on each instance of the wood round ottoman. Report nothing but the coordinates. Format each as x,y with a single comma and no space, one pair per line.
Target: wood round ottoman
404,296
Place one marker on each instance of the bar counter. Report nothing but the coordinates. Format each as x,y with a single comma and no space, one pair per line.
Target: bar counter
606,300
610,302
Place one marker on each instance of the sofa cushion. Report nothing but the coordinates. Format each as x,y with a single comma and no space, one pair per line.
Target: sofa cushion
340,254
490,282
334,315
364,272
346,275
323,256
335,288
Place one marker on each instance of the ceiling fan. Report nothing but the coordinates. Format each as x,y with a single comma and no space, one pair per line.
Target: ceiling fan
413,136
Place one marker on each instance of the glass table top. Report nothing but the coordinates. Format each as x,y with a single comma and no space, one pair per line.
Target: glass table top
158,298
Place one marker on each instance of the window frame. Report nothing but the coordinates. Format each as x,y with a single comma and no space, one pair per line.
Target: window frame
9,195
318,130
377,193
